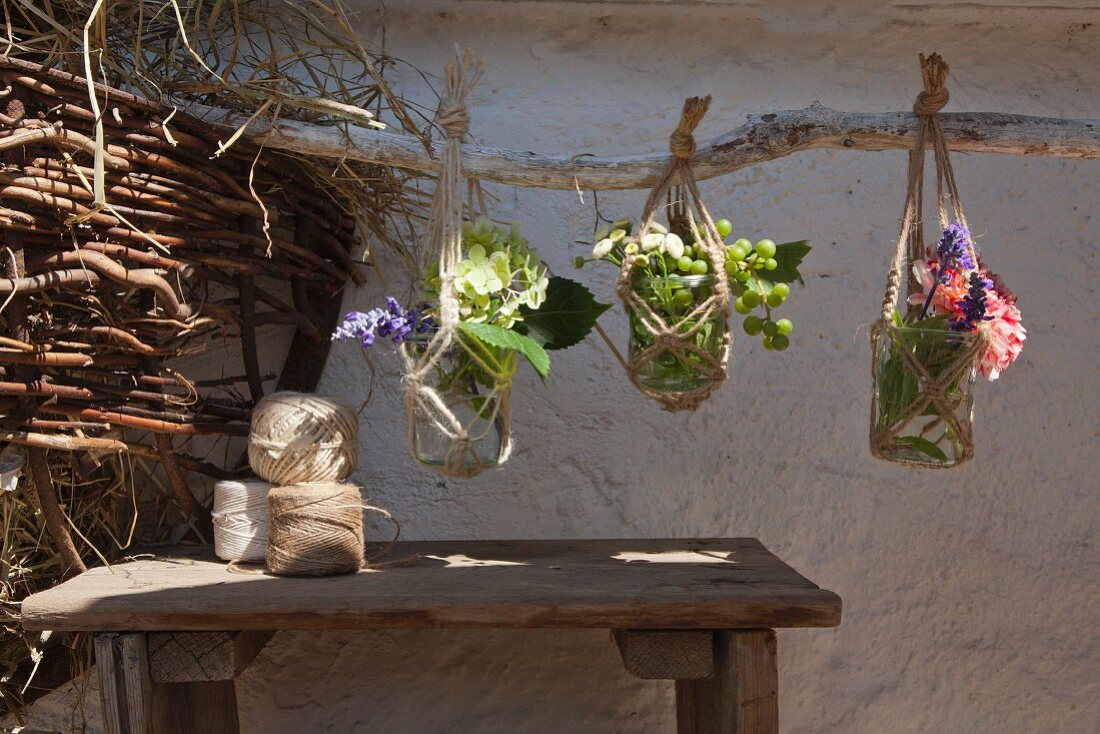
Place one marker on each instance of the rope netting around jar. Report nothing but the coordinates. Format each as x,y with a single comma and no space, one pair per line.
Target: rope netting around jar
424,397
935,387
677,193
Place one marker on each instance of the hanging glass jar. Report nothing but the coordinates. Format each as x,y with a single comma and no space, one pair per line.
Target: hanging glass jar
922,405
462,426
676,299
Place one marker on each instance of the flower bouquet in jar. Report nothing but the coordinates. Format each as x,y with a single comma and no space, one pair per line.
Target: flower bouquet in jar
961,320
508,309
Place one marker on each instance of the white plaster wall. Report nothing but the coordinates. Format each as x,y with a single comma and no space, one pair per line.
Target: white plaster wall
971,597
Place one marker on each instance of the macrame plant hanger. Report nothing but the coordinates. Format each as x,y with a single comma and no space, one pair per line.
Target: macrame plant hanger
910,248
678,191
444,237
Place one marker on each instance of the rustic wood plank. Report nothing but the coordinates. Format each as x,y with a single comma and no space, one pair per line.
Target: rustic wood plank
666,654
125,690
609,584
742,695
187,657
195,708
134,704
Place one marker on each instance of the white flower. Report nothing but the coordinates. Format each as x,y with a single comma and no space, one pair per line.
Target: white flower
652,241
674,246
658,227
617,235
602,248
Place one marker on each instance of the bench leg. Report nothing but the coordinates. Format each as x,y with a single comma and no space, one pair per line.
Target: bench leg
134,704
741,695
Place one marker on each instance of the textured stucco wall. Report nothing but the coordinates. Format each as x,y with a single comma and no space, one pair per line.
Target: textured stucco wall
970,596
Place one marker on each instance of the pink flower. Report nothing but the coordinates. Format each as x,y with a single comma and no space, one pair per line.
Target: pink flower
1001,326
1004,334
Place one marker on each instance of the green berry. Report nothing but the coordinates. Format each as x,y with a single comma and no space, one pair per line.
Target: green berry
753,325
742,276
768,343
684,264
724,227
765,248
771,328
735,253
780,342
785,326
683,299
731,268
744,244
751,298
781,289
741,307
771,264
578,262
774,300
699,267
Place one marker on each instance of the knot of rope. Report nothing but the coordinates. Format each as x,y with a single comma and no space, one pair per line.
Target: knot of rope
682,142
934,97
454,119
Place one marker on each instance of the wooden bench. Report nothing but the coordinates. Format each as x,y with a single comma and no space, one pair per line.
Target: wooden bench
172,633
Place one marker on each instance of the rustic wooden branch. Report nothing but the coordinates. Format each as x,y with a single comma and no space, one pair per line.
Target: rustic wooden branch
762,138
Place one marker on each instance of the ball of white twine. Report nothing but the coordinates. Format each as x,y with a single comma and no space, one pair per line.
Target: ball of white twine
240,519
299,437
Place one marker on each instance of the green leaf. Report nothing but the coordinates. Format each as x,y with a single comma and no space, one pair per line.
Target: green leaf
501,338
566,316
923,445
789,255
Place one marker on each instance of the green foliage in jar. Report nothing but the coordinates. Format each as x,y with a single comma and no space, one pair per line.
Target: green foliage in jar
759,274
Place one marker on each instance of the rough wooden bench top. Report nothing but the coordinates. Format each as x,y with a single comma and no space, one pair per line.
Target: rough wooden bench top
611,584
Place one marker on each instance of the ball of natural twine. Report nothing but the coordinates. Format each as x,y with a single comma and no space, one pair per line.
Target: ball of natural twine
298,437
240,519
315,530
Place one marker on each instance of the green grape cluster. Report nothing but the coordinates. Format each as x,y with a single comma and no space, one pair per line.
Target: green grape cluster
748,266
757,280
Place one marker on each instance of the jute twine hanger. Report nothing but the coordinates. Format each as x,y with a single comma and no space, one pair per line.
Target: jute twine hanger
444,236
910,248
685,206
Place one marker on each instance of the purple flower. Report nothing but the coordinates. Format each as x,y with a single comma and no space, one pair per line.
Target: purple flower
954,248
973,305
393,321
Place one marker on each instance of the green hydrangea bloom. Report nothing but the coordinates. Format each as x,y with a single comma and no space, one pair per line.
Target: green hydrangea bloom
499,273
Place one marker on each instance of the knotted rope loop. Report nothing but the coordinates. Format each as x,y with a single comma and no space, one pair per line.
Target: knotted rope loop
454,120
934,97
682,141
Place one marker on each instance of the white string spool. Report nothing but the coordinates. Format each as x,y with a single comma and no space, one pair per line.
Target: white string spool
299,437
240,519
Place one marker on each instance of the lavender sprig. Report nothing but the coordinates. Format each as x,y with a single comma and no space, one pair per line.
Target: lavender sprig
393,321
973,304
953,248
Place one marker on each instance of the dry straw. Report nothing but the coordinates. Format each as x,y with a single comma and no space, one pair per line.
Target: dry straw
316,530
910,247
678,183
299,437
